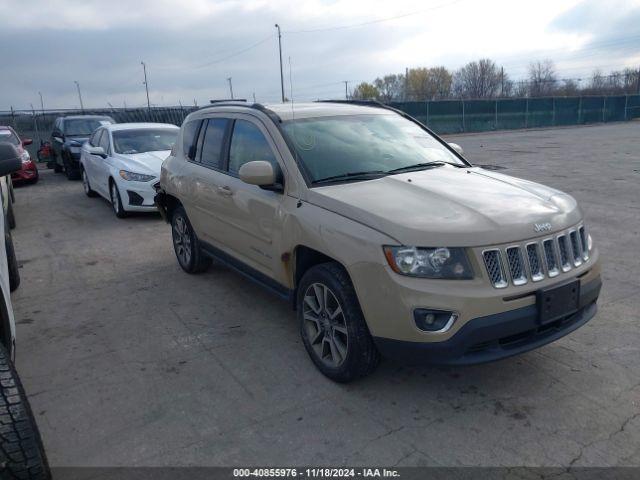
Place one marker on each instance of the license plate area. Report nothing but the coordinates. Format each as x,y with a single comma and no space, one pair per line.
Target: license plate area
558,301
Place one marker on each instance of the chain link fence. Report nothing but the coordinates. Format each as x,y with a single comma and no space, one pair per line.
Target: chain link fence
442,116
458,116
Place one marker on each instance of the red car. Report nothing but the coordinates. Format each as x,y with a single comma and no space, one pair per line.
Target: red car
29,171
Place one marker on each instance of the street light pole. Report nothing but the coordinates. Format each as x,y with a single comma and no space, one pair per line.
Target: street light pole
146,84
230,87
79,95
346,89
41,102
280,51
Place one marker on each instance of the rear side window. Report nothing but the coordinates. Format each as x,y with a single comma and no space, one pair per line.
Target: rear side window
93,140
190,138
247,145
212,142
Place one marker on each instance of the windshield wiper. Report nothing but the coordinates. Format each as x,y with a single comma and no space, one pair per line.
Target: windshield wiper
351,176
417,166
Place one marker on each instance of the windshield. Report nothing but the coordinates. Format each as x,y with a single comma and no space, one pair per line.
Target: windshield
83,126
334,146
8,136
130,142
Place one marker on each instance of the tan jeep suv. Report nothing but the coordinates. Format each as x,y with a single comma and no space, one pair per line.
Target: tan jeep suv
384,237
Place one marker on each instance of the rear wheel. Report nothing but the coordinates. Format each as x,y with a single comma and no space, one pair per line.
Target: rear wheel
116,202
86,185
332,325
22,454
185,243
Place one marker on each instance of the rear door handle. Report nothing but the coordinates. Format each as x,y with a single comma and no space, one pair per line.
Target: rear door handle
226,191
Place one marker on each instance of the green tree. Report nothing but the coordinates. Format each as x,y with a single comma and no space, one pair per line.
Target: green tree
365,91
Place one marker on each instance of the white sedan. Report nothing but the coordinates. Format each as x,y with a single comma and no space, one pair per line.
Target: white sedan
122,162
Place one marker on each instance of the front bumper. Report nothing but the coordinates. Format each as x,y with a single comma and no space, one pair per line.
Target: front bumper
28,172
137,196
495,336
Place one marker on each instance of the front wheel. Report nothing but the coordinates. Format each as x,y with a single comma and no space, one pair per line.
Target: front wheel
332,326
116,202
22,454
86,185
185,243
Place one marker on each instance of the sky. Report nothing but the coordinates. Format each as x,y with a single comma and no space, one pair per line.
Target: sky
191,47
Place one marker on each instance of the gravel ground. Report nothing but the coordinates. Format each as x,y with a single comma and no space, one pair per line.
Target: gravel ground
129,361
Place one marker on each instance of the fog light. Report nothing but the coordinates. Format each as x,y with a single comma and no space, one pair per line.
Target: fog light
433,320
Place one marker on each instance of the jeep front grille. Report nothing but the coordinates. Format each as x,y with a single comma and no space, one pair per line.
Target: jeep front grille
493,262
537,260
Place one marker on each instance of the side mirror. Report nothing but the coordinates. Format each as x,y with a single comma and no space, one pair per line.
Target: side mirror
9,159
258,173
58,136
26,141
457,148
97,151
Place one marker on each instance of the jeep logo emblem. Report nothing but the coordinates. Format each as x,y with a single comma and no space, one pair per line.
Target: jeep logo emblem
542,227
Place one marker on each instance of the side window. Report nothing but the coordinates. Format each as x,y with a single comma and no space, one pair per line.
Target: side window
247,145
212,142
104,141
189,138
95,136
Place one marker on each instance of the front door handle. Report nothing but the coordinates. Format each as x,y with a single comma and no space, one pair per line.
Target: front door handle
226,191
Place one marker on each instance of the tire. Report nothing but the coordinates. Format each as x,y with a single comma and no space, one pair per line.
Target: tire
86,185
185,243
22,454
71,172
116,201
11,217
56,167
342,347
12,263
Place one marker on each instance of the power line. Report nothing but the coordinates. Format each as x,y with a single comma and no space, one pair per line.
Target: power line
372,22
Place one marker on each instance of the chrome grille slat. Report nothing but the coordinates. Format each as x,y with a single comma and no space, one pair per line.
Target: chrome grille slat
535,264
493,263
538,259
550,257
563,248
576,251
583,242
516,266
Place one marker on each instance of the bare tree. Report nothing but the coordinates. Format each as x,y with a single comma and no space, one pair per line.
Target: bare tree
390,87
569,88
542,78
481,79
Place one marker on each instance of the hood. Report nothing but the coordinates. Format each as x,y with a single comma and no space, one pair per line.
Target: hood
147,162
80,139
449,206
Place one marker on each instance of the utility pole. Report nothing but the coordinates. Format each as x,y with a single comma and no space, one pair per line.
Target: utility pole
146,84
346,89
254,97
41,102
280,51
638,82
406,83
230,87
502,81
79,95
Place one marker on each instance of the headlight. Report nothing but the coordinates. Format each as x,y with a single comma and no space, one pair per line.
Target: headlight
25,157
136,177
440,262
589,242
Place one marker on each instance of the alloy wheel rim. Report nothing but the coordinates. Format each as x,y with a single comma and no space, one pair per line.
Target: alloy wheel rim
325,325
114,199
182,240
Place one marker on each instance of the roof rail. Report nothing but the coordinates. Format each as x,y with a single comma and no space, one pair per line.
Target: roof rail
228,100
243,103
